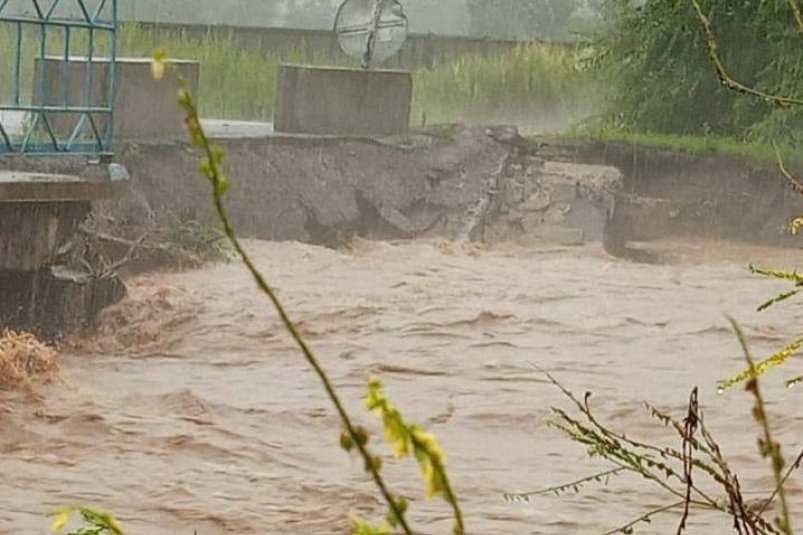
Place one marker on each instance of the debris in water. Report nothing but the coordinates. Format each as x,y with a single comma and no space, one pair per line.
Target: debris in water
23,358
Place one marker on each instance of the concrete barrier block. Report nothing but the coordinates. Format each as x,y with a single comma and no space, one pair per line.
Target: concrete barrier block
344,102
144,109
32,232
637,218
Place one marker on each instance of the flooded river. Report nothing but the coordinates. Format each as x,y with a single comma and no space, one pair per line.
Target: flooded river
192,410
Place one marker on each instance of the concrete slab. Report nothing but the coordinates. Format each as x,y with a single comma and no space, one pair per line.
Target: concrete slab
31,233
144,109
228,129
40,187
344,102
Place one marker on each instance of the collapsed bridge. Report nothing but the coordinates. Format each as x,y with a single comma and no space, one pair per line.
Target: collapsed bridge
61,115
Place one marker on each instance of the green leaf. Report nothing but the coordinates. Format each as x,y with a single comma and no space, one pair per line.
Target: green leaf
792,276
361,527
791,383
775,300
345,441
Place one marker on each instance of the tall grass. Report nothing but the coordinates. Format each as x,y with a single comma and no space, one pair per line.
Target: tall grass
528,85
532,85
236,83
710,145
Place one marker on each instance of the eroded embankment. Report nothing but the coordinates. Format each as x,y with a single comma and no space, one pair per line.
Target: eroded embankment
712,196
483,184
452,182
488,184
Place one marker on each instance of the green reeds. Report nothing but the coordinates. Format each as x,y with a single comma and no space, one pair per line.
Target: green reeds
530,85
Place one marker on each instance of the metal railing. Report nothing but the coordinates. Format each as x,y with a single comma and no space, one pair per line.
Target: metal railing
58,71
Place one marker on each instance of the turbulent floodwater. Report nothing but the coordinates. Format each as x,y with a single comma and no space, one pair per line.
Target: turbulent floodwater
192,410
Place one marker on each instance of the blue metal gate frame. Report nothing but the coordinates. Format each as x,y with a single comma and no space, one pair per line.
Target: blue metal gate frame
87,136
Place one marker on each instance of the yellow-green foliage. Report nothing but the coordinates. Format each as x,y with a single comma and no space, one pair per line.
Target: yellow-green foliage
784,354
95,522
410,439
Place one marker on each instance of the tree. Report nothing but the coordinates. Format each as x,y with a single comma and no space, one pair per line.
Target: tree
661,79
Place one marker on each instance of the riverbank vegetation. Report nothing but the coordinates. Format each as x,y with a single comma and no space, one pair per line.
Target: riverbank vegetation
659,78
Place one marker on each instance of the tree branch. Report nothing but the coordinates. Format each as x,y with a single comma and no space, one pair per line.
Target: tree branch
722,72
798,12
792,179
627,528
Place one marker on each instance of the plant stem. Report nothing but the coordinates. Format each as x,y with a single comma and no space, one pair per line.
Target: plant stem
798,12
769,447
643,518
722,72
216,177
564,487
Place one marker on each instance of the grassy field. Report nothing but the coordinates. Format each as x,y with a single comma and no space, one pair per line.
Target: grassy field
528,85
764,153
535,86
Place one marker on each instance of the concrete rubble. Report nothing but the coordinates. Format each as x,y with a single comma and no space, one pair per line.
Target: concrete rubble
434,182
42,288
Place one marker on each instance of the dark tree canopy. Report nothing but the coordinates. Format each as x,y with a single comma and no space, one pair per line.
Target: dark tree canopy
660,77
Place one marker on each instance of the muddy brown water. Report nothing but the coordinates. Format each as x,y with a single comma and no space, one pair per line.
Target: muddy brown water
192,410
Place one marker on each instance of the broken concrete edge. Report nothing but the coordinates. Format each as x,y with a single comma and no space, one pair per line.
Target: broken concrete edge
420,186
27,186
417,139
718,196
53,301
420,138
409,143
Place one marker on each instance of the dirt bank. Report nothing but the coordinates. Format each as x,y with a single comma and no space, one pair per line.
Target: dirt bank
712,196
326,190
459,183
446,181
443,182
453,182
